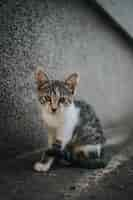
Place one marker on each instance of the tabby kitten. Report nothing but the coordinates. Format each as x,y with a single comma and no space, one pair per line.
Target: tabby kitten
75,134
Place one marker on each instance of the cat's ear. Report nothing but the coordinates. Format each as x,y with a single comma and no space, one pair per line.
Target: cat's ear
72,81
40,76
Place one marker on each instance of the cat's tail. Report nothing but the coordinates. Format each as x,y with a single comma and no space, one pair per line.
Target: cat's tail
116,138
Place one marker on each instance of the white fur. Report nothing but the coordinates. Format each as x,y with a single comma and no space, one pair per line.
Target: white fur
43,167
61,126
65,130
53,120
63,122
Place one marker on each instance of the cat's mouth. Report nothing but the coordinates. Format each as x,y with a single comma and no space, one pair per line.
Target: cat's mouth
53,111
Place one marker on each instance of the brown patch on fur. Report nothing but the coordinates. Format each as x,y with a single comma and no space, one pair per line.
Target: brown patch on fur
81,155
72,81
41,77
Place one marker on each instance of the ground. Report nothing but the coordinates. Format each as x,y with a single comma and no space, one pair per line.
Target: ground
20,182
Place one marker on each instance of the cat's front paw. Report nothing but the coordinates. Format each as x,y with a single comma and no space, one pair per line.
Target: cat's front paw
41,167
56,150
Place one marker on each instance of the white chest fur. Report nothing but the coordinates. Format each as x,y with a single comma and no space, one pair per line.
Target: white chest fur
63,122
52,120
71,116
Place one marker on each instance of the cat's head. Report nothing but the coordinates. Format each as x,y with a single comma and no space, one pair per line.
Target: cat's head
55,95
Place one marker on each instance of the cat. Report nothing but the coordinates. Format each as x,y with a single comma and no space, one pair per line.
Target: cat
75,134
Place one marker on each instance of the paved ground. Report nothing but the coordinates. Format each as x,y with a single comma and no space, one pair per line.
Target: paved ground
19,182
64,36
116,185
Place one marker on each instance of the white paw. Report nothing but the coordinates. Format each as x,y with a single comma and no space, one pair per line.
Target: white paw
41,167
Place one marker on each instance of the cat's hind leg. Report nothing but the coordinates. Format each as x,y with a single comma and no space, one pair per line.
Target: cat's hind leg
87,156
90,150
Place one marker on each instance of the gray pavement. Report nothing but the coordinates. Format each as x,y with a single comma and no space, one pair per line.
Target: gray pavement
117,185
63,36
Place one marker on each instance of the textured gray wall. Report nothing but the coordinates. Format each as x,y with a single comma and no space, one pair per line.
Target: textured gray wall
63,36
121,11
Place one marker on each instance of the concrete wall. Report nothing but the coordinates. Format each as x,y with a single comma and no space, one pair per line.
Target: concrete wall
121,12
63,36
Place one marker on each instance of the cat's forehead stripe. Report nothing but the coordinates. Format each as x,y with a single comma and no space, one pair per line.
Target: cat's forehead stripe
58,88
55,88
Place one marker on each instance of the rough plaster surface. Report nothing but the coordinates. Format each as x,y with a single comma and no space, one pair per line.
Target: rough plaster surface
63,36
121,12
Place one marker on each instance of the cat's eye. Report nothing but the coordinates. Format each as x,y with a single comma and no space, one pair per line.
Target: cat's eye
48,98
42,99
62,100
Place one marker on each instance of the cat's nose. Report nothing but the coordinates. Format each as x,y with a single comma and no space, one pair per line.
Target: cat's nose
54,109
